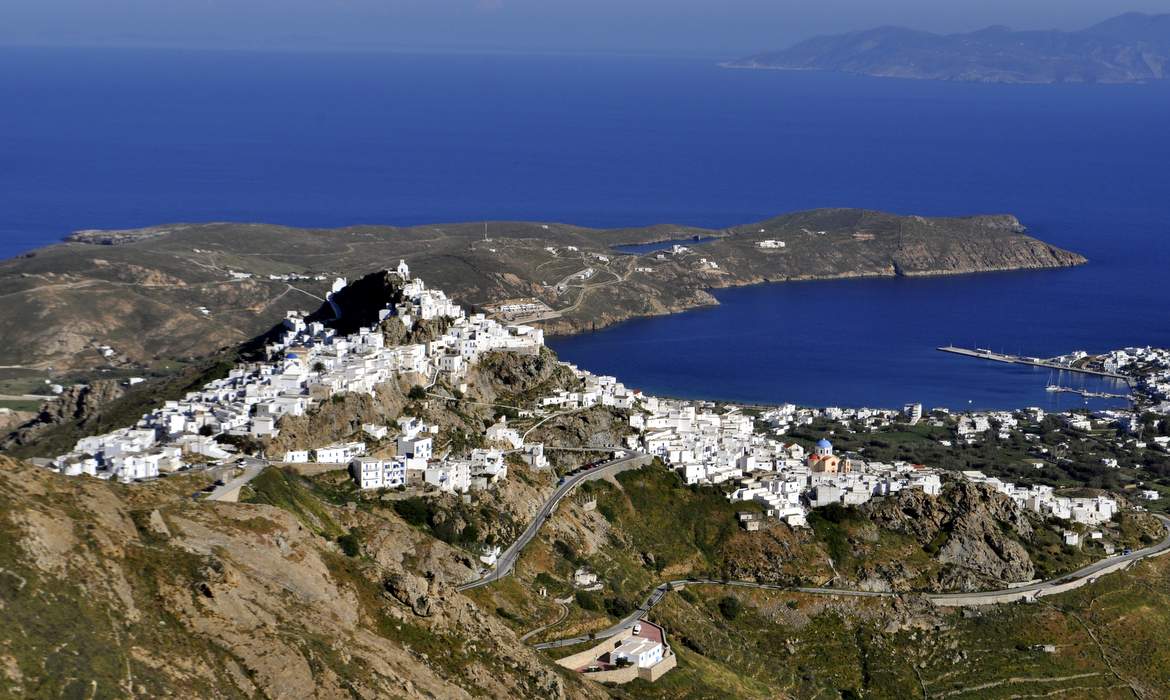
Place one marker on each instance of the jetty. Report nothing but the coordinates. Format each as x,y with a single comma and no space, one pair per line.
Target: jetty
983,354
1084,393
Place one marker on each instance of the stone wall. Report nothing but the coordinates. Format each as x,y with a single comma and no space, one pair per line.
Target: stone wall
620,675
581,658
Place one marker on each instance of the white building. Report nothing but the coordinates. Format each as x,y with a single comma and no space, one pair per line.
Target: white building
500,433
637,651
370,473
417,447
340,453
377,432
452,476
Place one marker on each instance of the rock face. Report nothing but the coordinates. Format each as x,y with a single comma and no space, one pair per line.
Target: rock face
412,591
1130,48
973,528
78,404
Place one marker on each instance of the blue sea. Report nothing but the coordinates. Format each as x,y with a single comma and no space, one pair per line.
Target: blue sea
123,138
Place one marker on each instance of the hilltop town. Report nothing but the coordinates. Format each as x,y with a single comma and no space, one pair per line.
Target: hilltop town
310,363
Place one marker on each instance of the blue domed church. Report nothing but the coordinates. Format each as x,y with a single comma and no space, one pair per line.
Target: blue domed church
824,461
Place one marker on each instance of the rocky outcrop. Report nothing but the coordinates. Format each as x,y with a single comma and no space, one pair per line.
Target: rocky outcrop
412,591
519,376
598,427
340,418
79,404
971,528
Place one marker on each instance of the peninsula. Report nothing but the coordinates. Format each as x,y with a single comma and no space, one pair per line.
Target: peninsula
1130,48
142,300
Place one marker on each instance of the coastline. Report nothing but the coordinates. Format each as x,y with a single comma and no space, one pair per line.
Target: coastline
568,329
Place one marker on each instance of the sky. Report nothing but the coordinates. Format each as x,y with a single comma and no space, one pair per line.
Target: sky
725,27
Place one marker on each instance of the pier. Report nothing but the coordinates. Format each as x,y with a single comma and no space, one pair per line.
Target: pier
982,354
1086,394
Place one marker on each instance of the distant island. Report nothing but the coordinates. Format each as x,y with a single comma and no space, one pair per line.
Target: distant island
1129,48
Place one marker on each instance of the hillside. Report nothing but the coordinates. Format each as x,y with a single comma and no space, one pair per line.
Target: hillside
113,592
308,589
1103,641
1130,48
160,298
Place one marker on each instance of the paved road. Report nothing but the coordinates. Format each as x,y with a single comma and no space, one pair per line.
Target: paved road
1036,590
507,560
231,490
554,623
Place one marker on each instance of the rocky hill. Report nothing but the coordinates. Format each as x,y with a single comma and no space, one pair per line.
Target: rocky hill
1130,48
975,532
154,300
113,592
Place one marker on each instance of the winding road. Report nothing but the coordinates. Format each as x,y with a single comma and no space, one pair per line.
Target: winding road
230,491
1028,593
507,560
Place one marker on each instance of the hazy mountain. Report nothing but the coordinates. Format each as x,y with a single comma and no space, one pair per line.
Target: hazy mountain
1129,48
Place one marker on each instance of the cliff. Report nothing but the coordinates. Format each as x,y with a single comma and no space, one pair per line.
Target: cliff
1130,48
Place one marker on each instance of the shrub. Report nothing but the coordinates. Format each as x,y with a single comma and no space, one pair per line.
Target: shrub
566,551
730,607
507,615
618,606
607,511
415,511
350,544
544,579
837,513
417,393
246,444
588,600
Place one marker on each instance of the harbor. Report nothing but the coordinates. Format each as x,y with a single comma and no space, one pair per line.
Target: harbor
984,354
